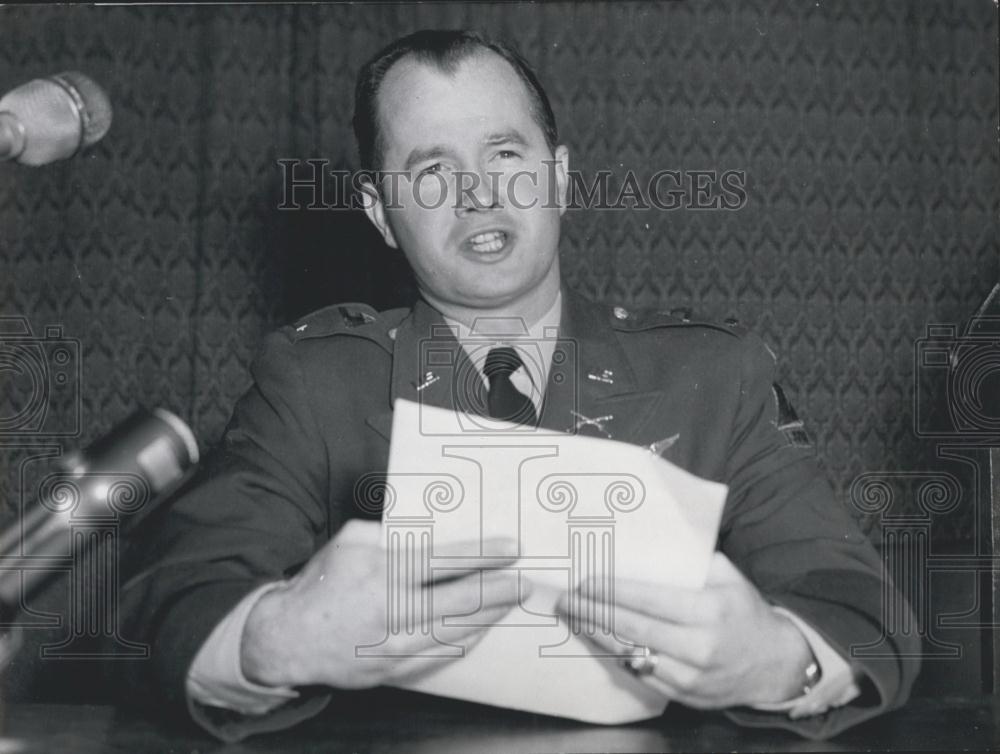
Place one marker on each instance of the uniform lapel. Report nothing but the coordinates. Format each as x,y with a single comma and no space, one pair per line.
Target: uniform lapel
592,388
430,367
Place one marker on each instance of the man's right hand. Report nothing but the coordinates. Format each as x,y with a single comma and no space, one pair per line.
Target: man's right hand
306,631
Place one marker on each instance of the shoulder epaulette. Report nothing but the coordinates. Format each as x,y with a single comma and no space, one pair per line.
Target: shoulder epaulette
636,320
355,319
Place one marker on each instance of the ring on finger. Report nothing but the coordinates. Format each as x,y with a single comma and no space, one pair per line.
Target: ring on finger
641,662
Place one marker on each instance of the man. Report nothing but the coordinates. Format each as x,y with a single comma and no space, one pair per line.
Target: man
260,584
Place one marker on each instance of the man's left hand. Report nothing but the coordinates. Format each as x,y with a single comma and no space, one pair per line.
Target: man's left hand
716,647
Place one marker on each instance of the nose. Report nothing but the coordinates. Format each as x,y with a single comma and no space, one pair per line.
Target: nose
477,191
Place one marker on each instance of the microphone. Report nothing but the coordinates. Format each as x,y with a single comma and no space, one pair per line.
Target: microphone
134,466
52,118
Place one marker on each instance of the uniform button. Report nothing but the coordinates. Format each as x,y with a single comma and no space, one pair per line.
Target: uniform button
392,334
732,321
621,312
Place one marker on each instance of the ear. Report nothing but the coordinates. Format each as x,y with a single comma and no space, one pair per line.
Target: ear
562,176
375,211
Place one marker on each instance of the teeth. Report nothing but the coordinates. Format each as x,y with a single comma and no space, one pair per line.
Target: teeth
486,242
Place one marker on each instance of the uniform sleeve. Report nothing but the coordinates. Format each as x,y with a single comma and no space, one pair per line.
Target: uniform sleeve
223,701
257,514
836,687
216,677
786,531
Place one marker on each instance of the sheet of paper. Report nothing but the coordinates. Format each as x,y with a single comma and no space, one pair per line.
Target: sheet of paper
573,508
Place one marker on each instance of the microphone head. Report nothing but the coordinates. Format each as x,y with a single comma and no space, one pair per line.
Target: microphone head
95,107
55,117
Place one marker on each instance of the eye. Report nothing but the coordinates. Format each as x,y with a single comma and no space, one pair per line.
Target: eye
508,154
437,167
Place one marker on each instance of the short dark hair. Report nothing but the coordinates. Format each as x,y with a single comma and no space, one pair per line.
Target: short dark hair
445,48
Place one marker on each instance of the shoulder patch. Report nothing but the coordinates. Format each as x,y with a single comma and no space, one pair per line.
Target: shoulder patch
343,319
637,320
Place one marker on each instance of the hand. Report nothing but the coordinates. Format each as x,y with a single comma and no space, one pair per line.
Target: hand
306,632
719,646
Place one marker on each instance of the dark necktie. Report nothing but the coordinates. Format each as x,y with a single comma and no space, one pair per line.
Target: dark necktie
505,401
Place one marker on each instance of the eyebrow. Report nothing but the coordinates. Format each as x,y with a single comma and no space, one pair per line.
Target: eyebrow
421,154
513,136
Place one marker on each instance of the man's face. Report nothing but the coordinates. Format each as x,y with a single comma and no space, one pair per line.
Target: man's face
492,248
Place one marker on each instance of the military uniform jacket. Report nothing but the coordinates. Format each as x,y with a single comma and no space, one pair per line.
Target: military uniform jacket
318,418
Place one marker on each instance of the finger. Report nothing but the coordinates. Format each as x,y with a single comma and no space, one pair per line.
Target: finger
469,631
669,670
688,643
458,559
680,684
466,596
671,603
672,677
500,547
415,629
661,686
457,568
475,550
431,652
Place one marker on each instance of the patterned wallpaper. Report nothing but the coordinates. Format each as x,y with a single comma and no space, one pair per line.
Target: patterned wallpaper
867,133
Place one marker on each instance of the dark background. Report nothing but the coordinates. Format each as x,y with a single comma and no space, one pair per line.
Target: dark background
867,132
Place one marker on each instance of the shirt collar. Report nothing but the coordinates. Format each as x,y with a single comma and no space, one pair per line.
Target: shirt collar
535,342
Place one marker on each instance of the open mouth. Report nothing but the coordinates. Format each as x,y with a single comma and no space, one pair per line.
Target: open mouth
489,242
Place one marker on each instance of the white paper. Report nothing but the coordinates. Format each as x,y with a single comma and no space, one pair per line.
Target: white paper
623,511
